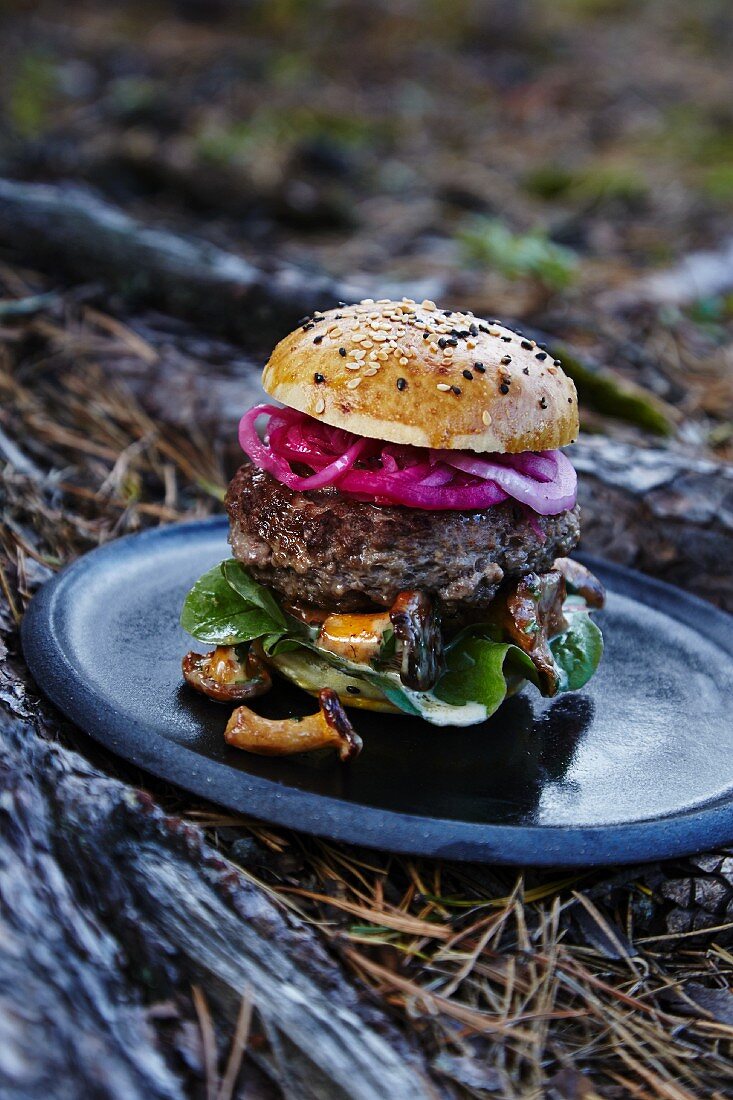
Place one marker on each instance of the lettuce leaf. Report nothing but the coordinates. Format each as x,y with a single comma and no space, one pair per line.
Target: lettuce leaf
227,607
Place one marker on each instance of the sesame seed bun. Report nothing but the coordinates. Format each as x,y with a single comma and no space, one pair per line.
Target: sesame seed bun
411,373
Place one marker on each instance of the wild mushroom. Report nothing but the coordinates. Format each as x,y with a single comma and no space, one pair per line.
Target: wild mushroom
419,640
532,614
227,674
284,736
581,580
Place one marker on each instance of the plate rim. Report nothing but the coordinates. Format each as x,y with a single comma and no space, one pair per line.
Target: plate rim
667,836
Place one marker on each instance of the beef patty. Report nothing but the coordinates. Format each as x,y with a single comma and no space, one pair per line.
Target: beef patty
332,552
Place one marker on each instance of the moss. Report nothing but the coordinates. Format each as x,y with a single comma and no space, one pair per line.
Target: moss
610,395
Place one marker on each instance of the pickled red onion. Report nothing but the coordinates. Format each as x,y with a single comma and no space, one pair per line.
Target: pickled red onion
388,473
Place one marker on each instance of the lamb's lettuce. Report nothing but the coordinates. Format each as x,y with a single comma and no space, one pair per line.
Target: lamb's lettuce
227,606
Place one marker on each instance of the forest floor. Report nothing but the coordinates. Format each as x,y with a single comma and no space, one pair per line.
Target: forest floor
567,166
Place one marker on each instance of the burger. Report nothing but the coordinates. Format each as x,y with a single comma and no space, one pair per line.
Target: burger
400,532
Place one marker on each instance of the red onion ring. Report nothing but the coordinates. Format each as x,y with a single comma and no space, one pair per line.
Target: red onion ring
415,477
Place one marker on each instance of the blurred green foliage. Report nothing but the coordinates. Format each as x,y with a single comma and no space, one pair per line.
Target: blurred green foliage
592,184
30,100
488,242
281,129
712,311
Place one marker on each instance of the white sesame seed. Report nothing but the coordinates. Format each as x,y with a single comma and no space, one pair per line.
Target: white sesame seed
320,406
357,354
486,417
380,337
353,383
428,305
367,344
370,371
443,387
404,361
353,366
434,348
382,354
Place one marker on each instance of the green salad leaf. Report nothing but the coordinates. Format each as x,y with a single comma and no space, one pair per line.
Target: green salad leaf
577,651
226,606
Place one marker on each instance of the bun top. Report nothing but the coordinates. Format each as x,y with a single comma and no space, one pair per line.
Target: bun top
412,373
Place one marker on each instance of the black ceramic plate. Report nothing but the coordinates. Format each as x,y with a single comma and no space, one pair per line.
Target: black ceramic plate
637,766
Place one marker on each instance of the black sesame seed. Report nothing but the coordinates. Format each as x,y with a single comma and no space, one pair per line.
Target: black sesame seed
570,401
541,355
401,383
525,370
473,330
309,326
556,363
504,388
447,312
452,342
480,368
426,336
507,339
526,345
483,328
543,402
318,378
542,346
304,320
454,332
342,351
506,359
442,342
456,390
352,690
317,339
467,374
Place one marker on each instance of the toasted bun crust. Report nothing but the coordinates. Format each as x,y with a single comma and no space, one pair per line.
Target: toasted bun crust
466,385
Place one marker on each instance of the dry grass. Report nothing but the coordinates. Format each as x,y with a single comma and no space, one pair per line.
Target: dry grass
519,985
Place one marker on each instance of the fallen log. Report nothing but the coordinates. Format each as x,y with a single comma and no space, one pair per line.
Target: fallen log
106,904
70,230
659,511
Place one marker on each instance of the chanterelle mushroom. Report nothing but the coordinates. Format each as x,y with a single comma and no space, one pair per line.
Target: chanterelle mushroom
532,615
227,674
284,736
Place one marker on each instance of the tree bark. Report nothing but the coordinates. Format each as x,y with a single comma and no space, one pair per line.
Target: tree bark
102,895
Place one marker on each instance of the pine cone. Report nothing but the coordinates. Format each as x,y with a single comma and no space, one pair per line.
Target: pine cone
701,892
